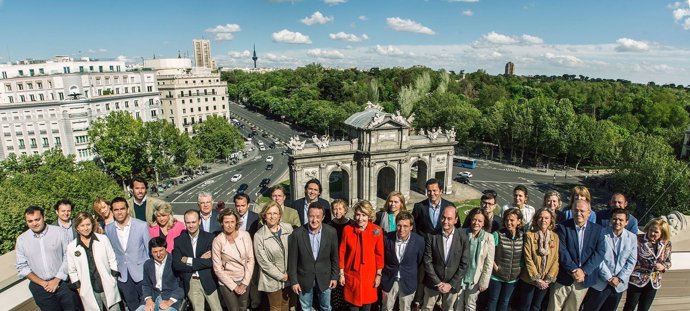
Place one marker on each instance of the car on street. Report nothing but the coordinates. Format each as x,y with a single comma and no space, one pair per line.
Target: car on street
269,167
462,180
269,159
262,148
242,188
235,177
265,182
465,174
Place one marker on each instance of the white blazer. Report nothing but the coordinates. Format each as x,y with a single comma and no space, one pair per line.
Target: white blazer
78,269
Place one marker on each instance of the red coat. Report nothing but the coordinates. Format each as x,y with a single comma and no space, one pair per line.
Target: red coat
361,254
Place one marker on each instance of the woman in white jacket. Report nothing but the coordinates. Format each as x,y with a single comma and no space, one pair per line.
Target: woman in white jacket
478,273
92,267
270,245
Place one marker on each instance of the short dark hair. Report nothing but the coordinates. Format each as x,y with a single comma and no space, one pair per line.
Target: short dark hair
63,202
32,209
518,214
241,196
313,181
620,211
192,211
405,215
276,187
475,211
488,196
315,205
157,242
139,179
118,199
433,181
521,188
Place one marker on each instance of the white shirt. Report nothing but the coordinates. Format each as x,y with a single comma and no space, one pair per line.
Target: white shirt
206,222
190,258
400,246
123,232
527,213
447,241
159,272
243,221
580,238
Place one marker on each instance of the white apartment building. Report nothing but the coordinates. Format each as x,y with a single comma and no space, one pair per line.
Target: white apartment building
51,104
202,54
189,95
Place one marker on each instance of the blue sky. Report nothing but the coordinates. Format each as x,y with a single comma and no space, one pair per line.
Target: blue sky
638,40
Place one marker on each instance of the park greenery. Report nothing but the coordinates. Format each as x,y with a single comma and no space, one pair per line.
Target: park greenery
558,121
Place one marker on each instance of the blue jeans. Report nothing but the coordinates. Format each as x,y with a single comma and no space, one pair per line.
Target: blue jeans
157,304
531,297
306,298
499,295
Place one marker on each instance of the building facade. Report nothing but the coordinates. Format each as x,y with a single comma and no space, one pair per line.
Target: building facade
189,95
51,104
510,69
202,54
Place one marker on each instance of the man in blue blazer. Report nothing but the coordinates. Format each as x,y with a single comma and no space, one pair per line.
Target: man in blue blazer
581,251
404,251
131,251
191,259
161,288
427,213
618,264
312,191
209,216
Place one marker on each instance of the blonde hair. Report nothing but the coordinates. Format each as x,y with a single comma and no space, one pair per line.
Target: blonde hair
663,226
164,209
535,226
400,196
366,208
579,190
97,206
268,206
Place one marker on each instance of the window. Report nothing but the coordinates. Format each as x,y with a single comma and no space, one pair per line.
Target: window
126,104
149,88
32,97
21,72
214,107
91,68
137,115
206,108
57,141
100,68
198,100
21,143
205,92
20,86
82,139
65,69
190,93
136,103
206,99
81,68
30,86
107,107
45,142
112,68
198,109
117,105
41,71
11,99
150,101
153,113
39,85
61,95
184,110
31,72
33,143
22,98
41,97
183,101
8,87
197,92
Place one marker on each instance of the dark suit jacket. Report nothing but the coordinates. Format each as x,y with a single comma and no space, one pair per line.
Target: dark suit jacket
412,258
437,268
422,221
171,287
253,224
299,206
214,226
593,252
183,248
302,268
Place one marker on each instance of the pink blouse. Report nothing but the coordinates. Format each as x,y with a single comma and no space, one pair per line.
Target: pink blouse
233,262
173,232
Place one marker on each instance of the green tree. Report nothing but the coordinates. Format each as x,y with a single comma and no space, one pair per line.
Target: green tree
215,138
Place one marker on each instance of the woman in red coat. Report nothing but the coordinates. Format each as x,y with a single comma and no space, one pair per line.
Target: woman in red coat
361,258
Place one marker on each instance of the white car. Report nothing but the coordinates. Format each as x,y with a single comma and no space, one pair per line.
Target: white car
269,159
235,177
465,174
262,148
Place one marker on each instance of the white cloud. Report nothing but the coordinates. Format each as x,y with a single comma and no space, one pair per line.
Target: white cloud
243,54
497,38
334,2
316,18
224,32
630,45
564,60
408,25
362,18
388,50
319,53
527,39
122,58
348,37
467,13
286,36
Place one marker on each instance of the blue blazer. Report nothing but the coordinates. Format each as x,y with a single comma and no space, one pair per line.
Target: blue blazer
619,263
593,251
130,261
170,283
412,258
604,219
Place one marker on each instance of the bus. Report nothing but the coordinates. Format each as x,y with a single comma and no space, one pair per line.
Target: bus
464,162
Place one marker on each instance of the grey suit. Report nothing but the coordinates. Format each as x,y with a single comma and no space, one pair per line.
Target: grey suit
130,260
440,268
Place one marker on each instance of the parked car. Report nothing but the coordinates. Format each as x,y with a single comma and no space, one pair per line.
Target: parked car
462,180
265,182
269,167
242,188
269,159
465,174
235,177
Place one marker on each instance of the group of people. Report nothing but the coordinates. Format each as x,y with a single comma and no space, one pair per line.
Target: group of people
308,254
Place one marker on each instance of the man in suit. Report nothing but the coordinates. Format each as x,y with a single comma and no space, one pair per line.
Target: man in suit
403,253
446,256
161,288
209,217
427,213
249,221
63,210
618,264
313,260
312,191
192,261
580,253
141,205
130,238
618,200
488,204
